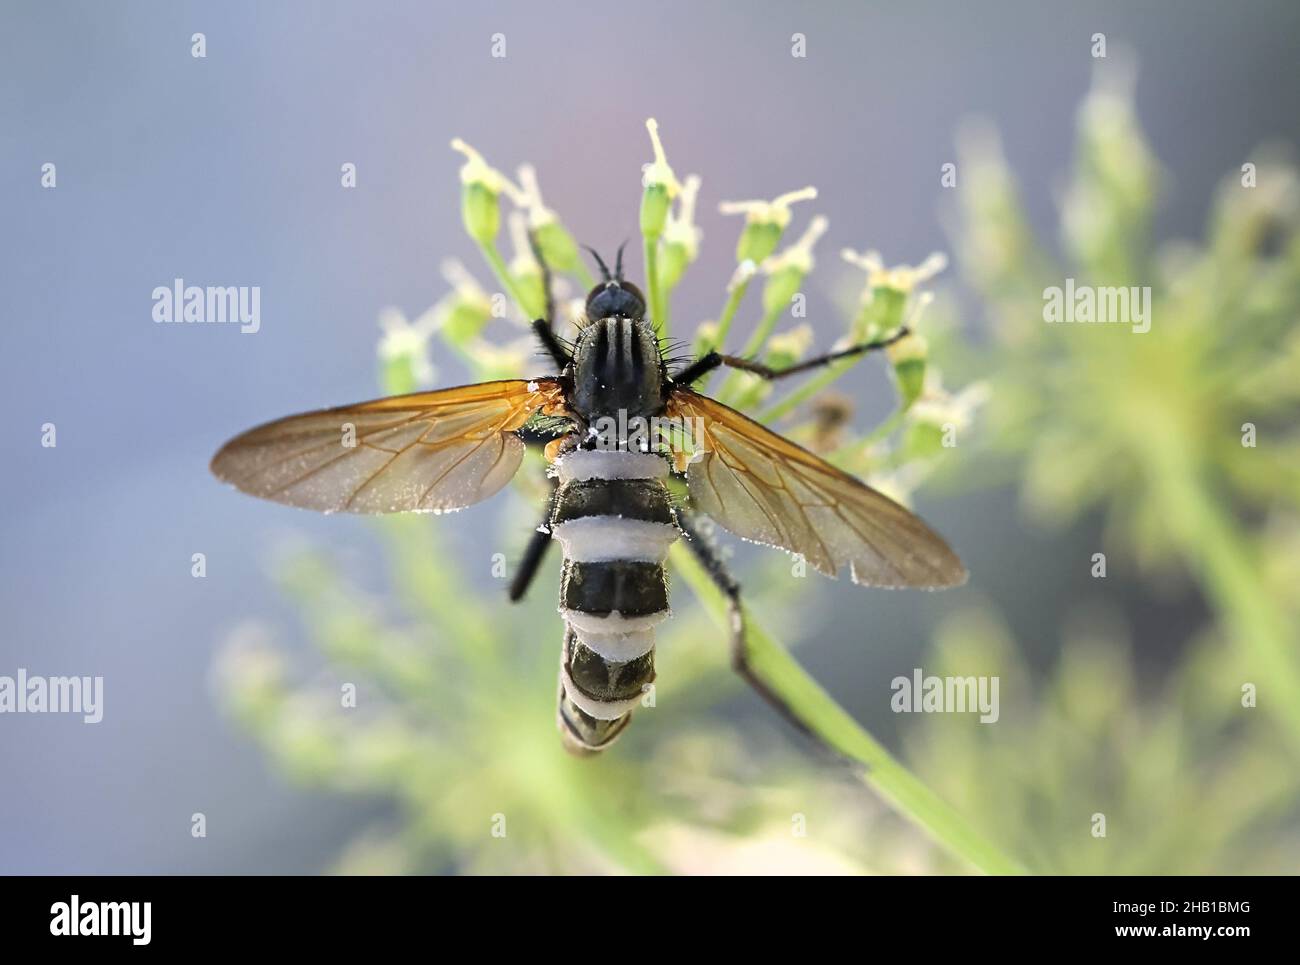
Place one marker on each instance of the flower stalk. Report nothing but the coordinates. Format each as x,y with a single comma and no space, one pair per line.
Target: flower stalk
765,222
785,273
818,712
659,187
481,190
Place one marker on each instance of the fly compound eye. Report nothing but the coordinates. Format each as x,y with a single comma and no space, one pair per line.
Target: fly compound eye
615,299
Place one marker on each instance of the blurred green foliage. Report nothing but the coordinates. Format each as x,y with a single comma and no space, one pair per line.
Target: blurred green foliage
1183,440
1185,781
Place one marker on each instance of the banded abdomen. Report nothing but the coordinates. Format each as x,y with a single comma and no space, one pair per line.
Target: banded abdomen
613,518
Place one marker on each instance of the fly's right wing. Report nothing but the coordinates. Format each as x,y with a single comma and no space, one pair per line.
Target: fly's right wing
765,488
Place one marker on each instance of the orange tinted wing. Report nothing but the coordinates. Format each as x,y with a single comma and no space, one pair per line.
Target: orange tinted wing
425,452
765,488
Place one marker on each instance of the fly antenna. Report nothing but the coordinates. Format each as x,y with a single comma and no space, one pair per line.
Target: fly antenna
604,270
618,263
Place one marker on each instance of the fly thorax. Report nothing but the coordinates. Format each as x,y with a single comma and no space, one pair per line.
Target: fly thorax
617,375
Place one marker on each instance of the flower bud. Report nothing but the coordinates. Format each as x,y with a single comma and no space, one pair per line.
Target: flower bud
786,271
681,238
481,188
525,269
787,348
764,223
908,356
660,187
937,414
403,353
558,247
461,314
705,337
887,293
780,351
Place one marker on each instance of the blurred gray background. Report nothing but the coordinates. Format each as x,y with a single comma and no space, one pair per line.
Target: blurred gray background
225,171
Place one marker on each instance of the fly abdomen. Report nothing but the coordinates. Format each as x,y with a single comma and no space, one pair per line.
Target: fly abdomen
614,520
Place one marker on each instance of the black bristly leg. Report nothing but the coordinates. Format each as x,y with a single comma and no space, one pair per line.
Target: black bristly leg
546,279
698,369
769,373
551,342
534,553
705,549
545,327
711,360
540,542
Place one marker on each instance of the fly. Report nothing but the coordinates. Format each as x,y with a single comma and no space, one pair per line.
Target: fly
610,510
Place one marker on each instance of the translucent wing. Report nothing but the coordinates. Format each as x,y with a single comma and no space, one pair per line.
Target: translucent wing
426,452
766,488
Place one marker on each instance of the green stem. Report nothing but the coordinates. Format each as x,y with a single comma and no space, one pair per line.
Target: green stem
728,315
761,333
1230,578
825,719
658,307
751,349
507,280
807,390
886,427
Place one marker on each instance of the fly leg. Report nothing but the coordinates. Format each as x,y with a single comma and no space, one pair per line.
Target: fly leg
534,554
545,327
546,280
710,361
700,541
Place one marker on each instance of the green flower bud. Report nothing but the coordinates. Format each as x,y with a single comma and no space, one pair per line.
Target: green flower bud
765,221
880,314
921,441
480,212
938,419
681,238
787,348
786,271
492,360
780,288
908,356
481,187
757,241
524,268
655,205
464,320
404,353
557,246
705,337
782,350
888,291
673,262
461,314
660,187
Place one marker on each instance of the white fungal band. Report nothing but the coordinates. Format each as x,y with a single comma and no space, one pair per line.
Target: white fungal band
610,464
613,622
600,709
602,539
617,647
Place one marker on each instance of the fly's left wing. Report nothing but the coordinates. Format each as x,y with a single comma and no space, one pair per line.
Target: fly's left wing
425,452
765,488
